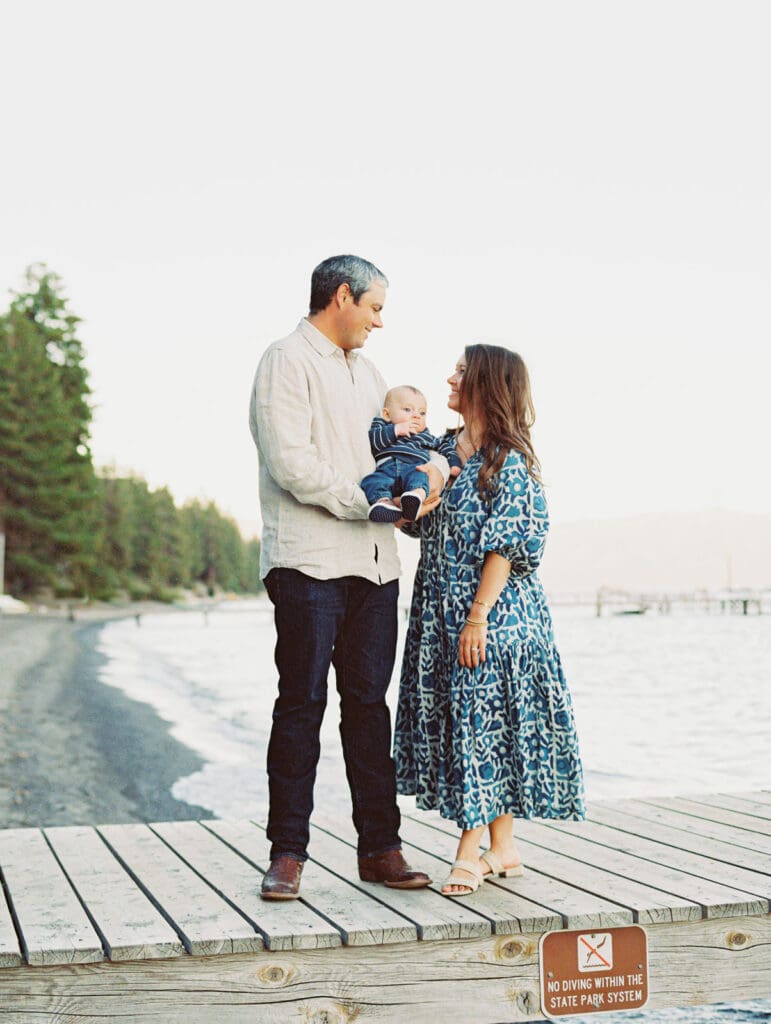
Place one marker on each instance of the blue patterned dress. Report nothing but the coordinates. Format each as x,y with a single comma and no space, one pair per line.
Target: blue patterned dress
498,739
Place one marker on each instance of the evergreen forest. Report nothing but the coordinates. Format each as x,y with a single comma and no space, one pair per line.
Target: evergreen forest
71,530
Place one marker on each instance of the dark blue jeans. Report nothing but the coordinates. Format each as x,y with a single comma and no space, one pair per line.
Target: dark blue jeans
351,624
393,478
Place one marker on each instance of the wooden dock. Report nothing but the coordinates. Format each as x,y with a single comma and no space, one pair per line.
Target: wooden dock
163,923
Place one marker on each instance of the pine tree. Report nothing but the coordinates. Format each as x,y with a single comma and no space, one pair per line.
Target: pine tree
47,481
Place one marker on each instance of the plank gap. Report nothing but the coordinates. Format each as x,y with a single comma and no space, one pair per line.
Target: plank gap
14,919
319,913
135,878
102,937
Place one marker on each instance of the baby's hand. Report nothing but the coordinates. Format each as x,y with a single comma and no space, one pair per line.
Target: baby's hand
454,470
403,429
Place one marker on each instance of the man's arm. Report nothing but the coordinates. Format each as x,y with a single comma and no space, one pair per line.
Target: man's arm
280,420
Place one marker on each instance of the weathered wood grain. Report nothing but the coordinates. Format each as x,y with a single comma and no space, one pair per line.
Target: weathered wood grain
688,874
206,924
712,813
507,912
130,926
10,951
759,796
479,981
434,916
238,882
359,919
578,909
730,834
733,802
613,876
683,839
54,927
284,925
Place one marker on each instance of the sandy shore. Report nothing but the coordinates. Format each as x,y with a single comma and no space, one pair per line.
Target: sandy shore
73,750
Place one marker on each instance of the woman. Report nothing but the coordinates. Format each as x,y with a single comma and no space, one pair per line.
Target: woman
484,726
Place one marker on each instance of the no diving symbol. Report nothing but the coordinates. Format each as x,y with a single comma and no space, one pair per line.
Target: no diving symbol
595,951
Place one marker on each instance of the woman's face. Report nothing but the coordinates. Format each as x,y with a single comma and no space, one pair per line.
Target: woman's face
454,380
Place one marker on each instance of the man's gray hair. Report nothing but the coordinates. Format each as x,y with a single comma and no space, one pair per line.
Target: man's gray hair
357,273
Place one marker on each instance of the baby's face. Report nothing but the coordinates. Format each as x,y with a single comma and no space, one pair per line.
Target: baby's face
407,407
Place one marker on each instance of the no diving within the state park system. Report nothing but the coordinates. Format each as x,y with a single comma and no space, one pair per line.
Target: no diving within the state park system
592,972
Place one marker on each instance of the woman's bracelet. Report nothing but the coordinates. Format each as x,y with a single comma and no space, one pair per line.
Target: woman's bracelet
476,622
483,603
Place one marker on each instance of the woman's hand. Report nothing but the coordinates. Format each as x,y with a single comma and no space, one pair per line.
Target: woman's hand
428,506
471,646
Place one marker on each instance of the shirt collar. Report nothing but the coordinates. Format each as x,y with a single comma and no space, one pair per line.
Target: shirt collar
321,342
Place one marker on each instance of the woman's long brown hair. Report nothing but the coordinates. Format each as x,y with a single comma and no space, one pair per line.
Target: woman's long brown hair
496,384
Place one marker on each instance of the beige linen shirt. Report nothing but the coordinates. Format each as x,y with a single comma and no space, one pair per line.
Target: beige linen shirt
310,413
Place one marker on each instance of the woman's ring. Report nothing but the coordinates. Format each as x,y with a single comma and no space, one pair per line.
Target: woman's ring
474,649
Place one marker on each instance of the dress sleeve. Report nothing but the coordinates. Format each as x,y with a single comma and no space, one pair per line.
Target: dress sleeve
519,520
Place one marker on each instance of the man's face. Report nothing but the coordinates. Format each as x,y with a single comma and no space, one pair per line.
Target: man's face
407,407
357,319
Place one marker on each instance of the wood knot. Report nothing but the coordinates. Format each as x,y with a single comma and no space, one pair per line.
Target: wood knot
273,975
510,949
737,939
526,1000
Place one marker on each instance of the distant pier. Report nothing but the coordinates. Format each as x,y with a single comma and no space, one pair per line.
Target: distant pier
637,602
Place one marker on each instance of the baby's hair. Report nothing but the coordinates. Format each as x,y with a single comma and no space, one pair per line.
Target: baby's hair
391,393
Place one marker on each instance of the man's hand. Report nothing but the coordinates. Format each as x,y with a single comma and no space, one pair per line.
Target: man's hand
435,480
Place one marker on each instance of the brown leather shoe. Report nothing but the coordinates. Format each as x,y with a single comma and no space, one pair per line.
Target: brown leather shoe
282,879
392,870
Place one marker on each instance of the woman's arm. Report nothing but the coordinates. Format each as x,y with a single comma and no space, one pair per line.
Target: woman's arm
473,636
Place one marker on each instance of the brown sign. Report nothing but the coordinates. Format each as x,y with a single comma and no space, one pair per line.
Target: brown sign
592,972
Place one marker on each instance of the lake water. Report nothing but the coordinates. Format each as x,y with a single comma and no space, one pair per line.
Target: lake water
664,705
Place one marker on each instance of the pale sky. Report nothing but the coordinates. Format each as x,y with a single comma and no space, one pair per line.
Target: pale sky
588,183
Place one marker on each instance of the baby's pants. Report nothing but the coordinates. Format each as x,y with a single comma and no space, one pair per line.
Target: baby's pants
393,478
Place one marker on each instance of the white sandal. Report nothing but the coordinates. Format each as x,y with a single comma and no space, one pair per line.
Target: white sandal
497,868
469,884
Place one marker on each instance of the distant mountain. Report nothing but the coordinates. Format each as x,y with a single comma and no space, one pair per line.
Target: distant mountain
671,551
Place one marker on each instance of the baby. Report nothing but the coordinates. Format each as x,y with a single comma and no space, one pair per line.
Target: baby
400,442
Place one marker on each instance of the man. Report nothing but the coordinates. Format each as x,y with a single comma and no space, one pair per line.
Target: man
331,574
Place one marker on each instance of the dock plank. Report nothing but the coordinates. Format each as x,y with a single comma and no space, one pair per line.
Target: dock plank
288,926
10,950
285,925
697,826
733,802
721,889
605,873
206,924
54,927
683,839
359,919
434,916
505,913
130,926
712,813
577,908
759,796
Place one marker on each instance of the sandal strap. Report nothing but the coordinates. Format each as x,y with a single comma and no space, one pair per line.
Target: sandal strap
494,861
467,865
